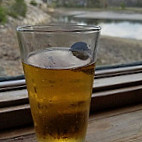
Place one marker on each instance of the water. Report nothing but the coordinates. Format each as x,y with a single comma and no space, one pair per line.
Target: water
115,28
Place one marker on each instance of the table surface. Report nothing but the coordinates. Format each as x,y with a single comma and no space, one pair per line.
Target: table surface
121,125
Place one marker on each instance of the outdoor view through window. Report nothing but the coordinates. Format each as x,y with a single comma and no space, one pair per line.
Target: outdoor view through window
120,20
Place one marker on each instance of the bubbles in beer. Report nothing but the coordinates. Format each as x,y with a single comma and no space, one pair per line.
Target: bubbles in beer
59,83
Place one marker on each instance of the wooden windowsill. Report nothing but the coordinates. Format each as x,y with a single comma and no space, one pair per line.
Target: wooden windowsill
102,86
113,88
112,126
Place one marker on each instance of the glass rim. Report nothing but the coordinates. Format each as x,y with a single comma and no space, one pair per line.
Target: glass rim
75,28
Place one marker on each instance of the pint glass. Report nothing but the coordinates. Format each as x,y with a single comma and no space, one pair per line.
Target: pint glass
59,63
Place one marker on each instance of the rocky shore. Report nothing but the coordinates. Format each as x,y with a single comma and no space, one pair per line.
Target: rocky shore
114,50
10,63
111,51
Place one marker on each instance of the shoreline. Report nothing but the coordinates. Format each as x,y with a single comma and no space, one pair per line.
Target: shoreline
112,50
105,14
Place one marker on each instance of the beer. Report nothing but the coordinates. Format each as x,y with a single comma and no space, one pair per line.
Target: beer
59,84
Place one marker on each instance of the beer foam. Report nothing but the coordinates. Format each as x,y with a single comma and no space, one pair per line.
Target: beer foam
58,59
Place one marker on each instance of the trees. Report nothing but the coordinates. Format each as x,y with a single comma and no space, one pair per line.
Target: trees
127,3
3,15
93,3
97,3
18,8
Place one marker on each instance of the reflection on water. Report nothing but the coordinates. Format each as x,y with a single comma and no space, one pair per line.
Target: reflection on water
122,29
116,28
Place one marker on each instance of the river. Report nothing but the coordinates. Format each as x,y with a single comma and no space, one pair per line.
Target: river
115,28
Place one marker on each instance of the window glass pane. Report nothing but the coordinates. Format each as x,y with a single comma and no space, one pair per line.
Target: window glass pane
12,14
121,22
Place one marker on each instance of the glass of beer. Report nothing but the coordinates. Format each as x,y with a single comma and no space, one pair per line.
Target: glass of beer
59,63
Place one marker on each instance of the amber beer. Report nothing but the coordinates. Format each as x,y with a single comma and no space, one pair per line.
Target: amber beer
60,86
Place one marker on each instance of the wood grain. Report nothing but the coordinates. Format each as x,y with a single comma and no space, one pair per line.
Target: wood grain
12,98
122,125
16,114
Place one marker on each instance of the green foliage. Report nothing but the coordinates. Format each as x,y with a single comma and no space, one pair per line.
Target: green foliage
92,3
139,3
122,5
72,3
18,8
33,2
3,15
0,2
54,5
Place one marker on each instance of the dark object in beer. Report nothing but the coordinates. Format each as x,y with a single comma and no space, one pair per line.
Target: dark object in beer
78,48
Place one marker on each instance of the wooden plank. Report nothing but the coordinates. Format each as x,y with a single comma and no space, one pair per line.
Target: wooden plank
23,138
16,97
117,71
99,74
11,98
100,101
8,85
116,98
117,82
123,125
118,128
10,134
16,116
12,83
14,133
112,76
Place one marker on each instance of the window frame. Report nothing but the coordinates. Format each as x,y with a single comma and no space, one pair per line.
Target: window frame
126,90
